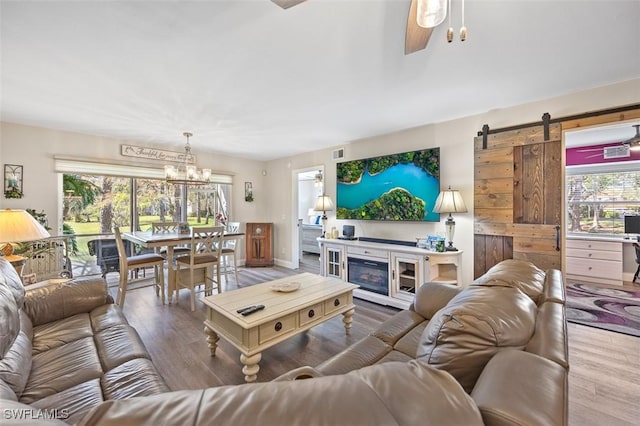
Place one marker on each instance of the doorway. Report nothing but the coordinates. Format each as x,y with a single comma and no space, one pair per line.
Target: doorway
308,184
602,187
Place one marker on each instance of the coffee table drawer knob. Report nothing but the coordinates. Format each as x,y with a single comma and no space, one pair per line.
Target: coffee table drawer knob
311,313
278,326
336,302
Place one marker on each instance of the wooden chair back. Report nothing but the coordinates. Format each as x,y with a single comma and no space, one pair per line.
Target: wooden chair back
206,244
165,227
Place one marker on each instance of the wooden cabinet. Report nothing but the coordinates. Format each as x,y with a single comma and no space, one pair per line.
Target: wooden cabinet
259,244
594,261
333,261
407,273
403,268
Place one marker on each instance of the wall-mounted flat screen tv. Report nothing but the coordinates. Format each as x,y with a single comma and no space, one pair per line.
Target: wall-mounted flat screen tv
396,187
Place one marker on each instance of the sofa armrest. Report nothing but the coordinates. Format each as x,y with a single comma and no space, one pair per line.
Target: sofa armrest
431,297
300,373
512,377
57,301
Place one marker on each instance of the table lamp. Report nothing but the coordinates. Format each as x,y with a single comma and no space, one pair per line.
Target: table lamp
324,205
450,201
18,226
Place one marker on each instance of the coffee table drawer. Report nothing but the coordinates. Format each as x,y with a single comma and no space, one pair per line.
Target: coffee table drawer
310,314
336,303
278,327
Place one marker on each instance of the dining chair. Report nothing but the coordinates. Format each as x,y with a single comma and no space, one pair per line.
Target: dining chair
197,267
169,228
229,251
132,264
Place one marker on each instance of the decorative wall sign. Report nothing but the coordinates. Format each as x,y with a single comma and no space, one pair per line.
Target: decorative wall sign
248,192
154,154
13,181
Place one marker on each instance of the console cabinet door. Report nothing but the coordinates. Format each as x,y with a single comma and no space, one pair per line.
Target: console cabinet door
334,261
407,272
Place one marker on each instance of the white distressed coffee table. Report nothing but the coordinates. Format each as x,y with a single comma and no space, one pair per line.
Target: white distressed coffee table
285,314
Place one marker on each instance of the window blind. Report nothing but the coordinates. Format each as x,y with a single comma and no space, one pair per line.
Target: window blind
97,167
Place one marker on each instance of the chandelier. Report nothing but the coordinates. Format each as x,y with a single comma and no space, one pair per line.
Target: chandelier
431,13
187,172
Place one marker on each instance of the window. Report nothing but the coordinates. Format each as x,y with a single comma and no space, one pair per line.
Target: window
93,204
598,197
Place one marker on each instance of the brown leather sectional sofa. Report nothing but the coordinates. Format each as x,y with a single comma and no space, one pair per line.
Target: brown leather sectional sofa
65,348
494,352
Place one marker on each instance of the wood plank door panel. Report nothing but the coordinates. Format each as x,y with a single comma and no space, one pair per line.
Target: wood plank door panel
518,198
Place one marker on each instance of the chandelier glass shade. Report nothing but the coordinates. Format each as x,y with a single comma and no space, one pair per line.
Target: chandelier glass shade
186,173
431,13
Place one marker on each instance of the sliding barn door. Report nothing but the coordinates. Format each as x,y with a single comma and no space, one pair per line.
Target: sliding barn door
518,197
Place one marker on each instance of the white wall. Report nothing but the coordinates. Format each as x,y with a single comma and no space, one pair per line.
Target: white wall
273,192
455,139
34,148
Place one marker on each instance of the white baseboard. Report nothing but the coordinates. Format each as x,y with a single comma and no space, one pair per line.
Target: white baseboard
284,263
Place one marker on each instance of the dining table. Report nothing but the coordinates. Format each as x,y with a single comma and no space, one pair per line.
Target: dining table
170,240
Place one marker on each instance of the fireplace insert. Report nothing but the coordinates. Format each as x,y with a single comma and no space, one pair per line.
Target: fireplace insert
370,275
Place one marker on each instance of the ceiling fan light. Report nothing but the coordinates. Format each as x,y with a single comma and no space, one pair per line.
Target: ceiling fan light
431,13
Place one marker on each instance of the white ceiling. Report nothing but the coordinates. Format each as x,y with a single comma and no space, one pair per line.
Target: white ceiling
250,79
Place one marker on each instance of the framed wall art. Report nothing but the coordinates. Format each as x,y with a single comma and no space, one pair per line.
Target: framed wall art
248,192
13,181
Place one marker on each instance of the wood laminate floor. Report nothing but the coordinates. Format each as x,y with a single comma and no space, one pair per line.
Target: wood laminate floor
604,378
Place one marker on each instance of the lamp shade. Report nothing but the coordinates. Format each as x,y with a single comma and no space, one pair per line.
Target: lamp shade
431,13
18,226
449,201
323,204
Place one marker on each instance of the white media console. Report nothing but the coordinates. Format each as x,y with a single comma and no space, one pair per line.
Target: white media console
388,272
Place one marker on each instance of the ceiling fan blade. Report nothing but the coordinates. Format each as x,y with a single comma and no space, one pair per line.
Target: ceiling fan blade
417,36
286,4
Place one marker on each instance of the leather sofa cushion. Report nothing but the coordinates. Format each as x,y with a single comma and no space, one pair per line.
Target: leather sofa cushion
10,280
106,316
516,273
431,297
394,356
515,385
60,368
58,333
550,338
364,352
53,302
9,319
119,344
76,400
391,330
408,345
16,364
350,399
463,336
137,377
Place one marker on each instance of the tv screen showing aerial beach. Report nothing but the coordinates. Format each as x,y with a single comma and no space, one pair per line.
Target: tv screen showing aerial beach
396,187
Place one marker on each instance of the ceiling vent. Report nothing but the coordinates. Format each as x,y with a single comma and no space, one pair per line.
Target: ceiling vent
337,154
621,151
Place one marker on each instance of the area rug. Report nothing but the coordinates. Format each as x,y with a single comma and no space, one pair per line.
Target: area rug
613,309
